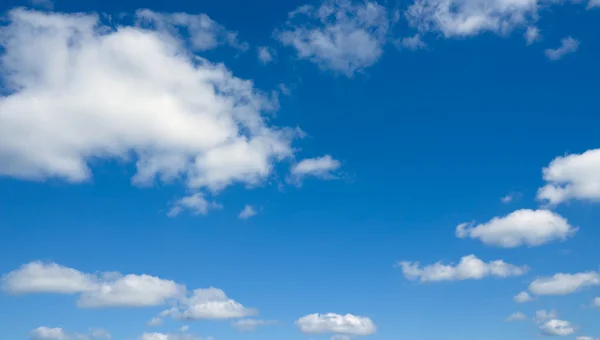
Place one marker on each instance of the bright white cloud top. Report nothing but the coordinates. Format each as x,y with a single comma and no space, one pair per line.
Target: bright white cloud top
522,227
335,323
573,176
469,268
86,91
556,327
563,284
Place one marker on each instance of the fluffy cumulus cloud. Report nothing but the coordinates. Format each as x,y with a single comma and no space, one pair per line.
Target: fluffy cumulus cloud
246,325
563,284
320,167
516,317
210,303
47,333
555,327
568,45
522,227
344,36
461,18
89,91
522,297
469,268
196,203
103,290
96,290
335,323
575,176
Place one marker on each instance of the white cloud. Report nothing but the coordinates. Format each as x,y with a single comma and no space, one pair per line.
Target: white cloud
155,322
413,43
210,303
568,45
196,203
46,333
39,277
516,317
96,290
340,35
596,302
131,291
246,325
469,268
320,167
335,323
574,176
184,328
522,297
521,227
461,18
247,212
556,327
586,338
91,92
563,284
171,336
543,315
204,33
532,34
265,54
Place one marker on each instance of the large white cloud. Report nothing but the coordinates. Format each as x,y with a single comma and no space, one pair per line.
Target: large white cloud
522,227
335,323
83,91
575,176
344,36
469,268
460,18
563,284
96,290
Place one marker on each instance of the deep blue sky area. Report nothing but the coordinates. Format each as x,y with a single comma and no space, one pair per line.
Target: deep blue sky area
396,152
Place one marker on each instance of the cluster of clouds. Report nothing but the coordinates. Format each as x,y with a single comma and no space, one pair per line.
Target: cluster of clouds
114,290
570,177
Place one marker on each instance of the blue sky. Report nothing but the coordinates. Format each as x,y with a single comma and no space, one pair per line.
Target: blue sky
423,169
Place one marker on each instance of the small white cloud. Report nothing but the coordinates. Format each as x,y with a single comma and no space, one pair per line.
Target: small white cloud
568,45
340,35
155,322
265,54
46,333
246,325
556,327
335,323
100,334
247,212
320,167
596,302
460,18
196,203
516,317
521,227
469,268
563,284
586,338
413,43
208,304
532,34
543,315
184,328
523,297
574,176
511,197
171,336
204,33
